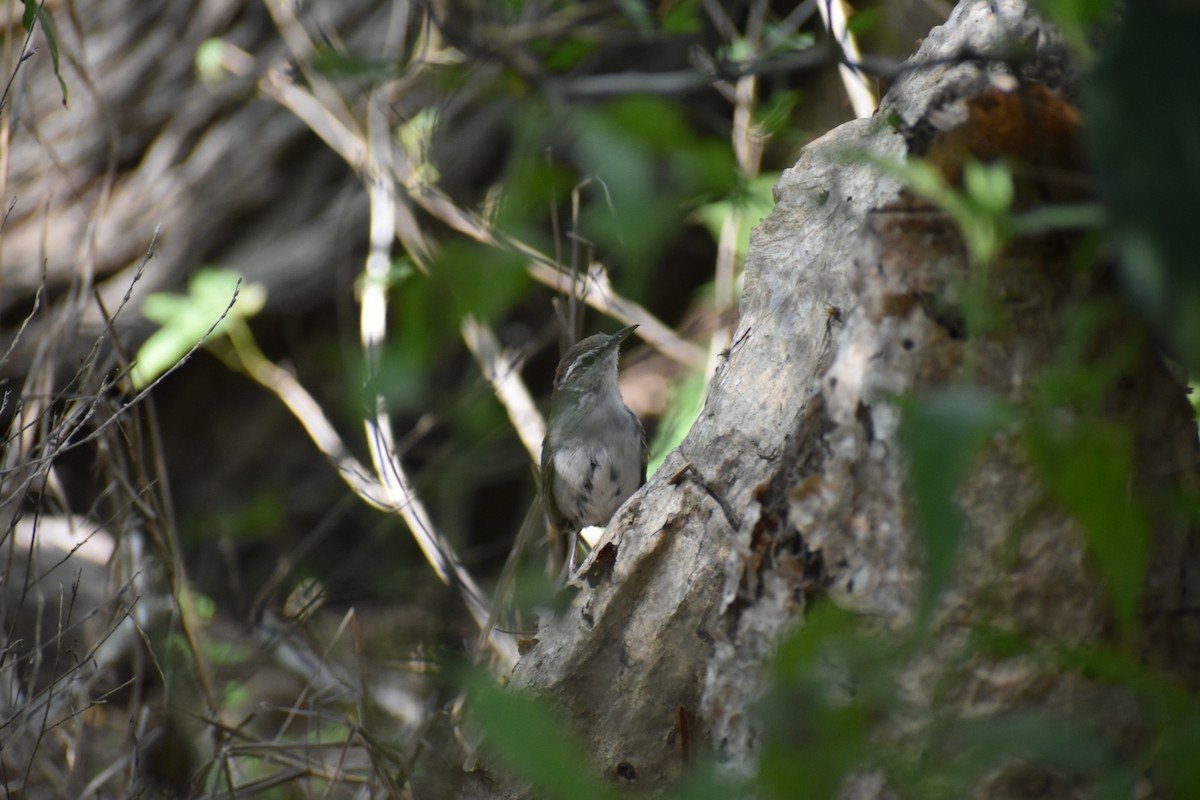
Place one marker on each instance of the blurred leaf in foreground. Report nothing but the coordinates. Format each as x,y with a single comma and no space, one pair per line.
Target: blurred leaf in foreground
526,736
1144,140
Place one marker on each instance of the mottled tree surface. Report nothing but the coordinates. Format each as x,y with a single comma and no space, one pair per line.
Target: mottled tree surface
793,483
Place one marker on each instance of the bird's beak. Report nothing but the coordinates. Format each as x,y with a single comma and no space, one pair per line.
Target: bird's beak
620,335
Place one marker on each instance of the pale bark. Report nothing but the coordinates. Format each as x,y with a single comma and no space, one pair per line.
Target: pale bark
796,454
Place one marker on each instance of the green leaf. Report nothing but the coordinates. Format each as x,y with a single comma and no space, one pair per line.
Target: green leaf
569,52
813,732
1176,755
1075,18
35,11
811,745
862,21
1085,458
989,186
942,433
187,319
1172,710
654,168
484,282
709,781
739,50
1144,143
964,750
682,18
532,187
754,200
982,210
785,39
774,117
1087,468
355,69
255,520
637,12
210,57
683,408
527,737
1043,219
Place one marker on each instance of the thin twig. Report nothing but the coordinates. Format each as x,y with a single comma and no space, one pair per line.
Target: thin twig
22,57
352,147
747,143
502,373
862,98
380,439
361,481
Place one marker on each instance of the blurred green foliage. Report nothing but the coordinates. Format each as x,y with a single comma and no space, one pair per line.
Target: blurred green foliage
752,199
981,209
257,519
527,737
682,18
360,70
835,706
684,407
1085,458
1078,20
1144,138
215,300
942,433
655,170
861,22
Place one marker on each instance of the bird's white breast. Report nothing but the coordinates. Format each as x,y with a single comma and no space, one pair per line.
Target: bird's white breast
594,474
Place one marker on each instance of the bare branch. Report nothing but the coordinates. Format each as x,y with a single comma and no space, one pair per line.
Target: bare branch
503,374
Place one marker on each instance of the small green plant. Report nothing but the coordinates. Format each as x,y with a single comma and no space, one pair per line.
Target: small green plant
216,299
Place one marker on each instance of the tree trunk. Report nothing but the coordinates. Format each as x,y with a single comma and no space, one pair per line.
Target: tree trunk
793,484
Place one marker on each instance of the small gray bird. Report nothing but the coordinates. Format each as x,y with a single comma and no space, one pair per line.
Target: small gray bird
594,455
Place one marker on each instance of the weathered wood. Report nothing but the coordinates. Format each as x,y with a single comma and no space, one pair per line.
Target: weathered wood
796,453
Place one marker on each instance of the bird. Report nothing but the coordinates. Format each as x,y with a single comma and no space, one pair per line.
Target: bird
594,453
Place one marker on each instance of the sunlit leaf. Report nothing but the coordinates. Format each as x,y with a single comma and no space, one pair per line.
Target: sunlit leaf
215,298
210,56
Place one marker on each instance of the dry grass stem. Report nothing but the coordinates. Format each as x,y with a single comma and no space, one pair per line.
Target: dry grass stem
502,372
